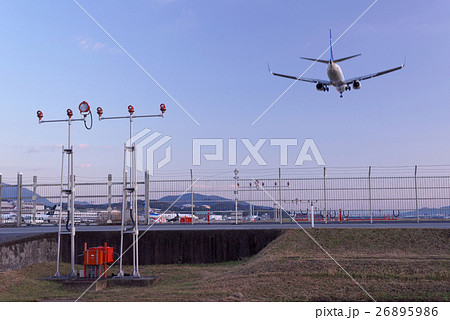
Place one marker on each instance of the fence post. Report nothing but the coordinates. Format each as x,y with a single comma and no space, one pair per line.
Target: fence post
19,200
415,188
147,196
1,221
34,198
325,194
109,198
250,202
279,191
370,195
192,197
236,194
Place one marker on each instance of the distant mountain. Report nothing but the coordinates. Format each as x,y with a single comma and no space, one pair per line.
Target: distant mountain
216,203
427,212
199,199
11,192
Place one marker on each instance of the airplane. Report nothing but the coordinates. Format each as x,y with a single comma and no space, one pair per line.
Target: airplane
174,219
335,75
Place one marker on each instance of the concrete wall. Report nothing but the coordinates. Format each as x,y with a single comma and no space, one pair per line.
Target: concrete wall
23,252
179,246
155,247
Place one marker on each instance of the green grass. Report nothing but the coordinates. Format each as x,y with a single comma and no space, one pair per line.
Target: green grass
392,265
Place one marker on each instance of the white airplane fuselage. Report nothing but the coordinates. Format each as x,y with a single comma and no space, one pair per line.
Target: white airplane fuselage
336,76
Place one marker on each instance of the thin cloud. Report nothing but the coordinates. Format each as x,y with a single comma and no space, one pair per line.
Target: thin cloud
83,146
89,44
85,165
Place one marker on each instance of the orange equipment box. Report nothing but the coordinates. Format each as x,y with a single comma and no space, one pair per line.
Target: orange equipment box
95,258
105,252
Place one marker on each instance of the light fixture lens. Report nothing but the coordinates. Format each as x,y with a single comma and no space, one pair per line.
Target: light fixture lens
84,107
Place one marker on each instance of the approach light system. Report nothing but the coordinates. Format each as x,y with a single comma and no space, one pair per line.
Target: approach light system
84,108
131,115
85,111
99,112
162,107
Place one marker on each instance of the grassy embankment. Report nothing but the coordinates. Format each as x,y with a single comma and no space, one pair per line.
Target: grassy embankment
391,265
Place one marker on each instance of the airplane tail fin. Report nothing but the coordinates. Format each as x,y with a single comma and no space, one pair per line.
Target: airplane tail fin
331,48
331,55
331,52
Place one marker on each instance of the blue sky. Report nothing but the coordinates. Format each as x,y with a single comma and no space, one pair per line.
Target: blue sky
212,57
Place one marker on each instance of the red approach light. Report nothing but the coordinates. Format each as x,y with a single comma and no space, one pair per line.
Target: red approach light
130,109
99,111
69,113
84,108
40,115
162,107
238,184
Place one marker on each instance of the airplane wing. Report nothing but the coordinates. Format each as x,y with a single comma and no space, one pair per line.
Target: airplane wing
373,75
301,78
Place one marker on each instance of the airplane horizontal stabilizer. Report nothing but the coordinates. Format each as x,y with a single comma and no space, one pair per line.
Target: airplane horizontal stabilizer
315,60
346,58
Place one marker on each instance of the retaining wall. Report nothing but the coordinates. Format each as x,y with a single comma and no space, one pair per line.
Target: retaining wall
155,247
27,251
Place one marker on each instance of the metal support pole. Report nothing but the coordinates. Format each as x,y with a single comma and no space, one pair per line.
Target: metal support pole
147,196
109,198
192,197
325,194
312,214
34,198
135,215
279,193
236,194
57,274
19,200
370,195
73,272
124,209
417,193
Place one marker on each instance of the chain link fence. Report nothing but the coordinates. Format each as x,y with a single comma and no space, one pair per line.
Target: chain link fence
333,194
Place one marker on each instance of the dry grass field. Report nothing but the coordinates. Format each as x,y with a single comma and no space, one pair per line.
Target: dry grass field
390,264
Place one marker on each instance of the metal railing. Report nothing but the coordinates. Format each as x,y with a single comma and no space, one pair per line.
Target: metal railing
337,194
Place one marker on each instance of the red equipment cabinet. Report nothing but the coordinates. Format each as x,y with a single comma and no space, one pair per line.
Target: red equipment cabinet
95,258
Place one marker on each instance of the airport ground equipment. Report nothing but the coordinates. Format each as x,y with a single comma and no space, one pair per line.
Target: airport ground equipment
97,259
68,187
130,189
